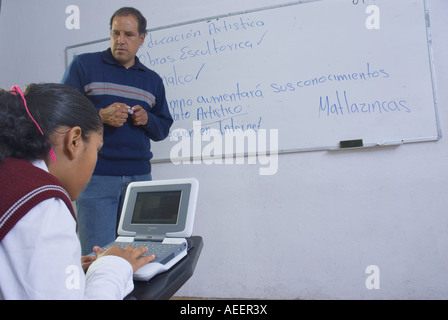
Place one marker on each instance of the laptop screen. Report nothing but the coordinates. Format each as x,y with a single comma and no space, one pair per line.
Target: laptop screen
157,207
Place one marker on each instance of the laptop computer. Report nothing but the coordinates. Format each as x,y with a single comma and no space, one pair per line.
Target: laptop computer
160,215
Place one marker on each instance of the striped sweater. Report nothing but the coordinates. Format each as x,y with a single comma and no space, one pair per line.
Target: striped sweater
104,81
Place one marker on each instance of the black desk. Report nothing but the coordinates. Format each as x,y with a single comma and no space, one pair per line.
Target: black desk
164,285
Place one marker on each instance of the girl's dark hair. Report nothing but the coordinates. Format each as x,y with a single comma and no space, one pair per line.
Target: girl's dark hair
52,105
126,11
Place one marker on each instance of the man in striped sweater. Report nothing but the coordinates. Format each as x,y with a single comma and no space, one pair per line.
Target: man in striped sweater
130,99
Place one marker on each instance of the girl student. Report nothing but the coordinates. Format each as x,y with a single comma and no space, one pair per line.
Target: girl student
49,141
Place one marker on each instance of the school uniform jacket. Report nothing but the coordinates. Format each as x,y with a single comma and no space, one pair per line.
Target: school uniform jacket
40,254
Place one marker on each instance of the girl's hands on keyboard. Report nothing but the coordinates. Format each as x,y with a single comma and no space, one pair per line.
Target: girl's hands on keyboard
131,254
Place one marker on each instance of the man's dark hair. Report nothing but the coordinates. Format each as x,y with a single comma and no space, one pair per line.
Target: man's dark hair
126,11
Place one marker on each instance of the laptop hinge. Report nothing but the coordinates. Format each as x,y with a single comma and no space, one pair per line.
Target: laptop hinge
142,237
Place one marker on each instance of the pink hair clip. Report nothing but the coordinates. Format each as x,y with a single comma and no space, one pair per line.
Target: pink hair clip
19,91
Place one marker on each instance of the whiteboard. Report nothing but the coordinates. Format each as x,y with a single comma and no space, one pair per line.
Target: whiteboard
296,77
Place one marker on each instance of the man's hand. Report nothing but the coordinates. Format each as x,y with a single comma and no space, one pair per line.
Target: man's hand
115,115
140,116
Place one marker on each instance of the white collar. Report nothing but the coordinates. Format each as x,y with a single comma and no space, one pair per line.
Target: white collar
40,164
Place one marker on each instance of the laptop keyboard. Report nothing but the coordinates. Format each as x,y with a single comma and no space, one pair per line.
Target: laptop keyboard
163,252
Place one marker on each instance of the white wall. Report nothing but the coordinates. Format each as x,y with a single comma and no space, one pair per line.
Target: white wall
307,232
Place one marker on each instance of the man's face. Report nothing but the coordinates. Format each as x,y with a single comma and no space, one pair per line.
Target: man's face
125,40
